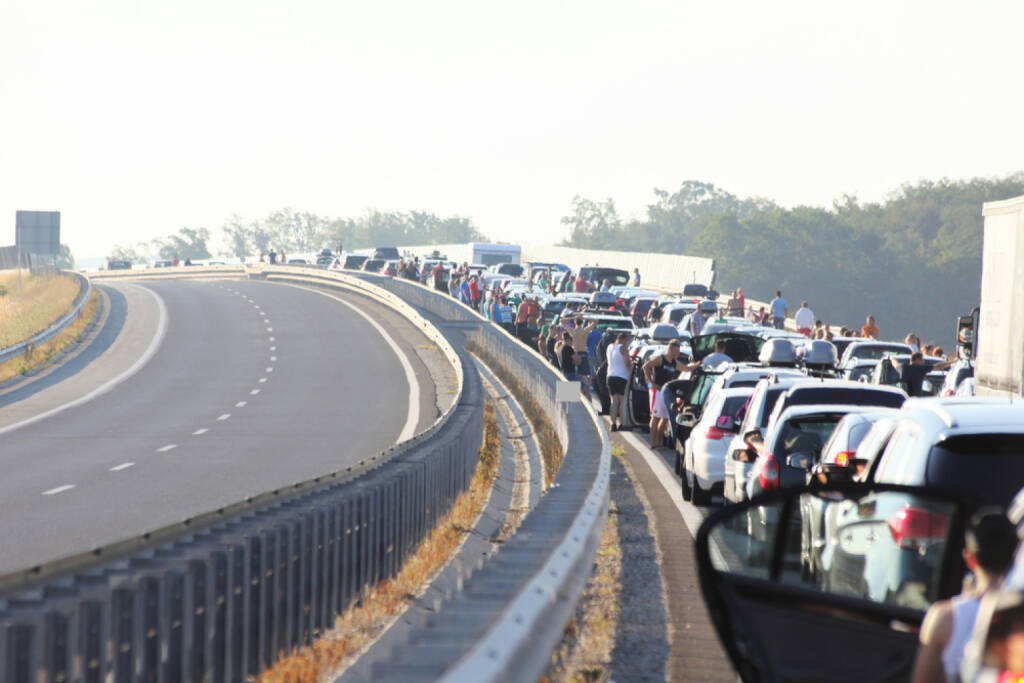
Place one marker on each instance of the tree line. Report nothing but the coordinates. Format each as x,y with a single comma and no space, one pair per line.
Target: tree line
913,260
301,231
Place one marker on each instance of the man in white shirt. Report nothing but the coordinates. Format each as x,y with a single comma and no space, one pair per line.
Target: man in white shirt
804,319
716,358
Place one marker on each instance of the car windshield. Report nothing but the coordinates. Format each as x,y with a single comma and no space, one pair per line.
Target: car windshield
989,467
695,290
876,351
806,434
827,395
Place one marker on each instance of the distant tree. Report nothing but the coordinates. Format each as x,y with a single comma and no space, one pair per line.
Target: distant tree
188,243
65,259
127,253
238,235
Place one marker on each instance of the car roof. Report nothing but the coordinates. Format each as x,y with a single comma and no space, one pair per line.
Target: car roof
970,414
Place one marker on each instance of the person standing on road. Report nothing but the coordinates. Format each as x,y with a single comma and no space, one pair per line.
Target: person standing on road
606,286
658,371
567,359
464,294
913,371
437,273
718,357
580,286
578,331
990,543
804,319
636,277
735,306
618,379
696,322
870,329
779,310
474,293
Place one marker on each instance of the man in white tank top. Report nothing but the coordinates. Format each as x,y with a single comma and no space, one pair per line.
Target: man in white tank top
618,379
989,545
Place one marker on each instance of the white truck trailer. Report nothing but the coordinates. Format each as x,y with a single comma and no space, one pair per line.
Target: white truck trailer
999,358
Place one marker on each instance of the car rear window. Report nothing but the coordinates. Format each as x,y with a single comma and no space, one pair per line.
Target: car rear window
875,351
771,397
733,404
845,395
989,467
806,434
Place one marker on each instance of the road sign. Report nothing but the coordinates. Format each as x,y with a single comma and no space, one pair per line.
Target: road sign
37,232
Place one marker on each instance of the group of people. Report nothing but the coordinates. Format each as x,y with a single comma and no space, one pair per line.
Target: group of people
273,257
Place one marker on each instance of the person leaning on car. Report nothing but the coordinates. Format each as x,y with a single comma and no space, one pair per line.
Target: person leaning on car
657,371
913,371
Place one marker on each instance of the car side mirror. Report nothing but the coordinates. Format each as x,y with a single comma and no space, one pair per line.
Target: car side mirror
742,455
801,460
820,565
686,419
753,436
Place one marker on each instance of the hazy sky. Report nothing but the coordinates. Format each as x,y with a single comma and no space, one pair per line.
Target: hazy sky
137,118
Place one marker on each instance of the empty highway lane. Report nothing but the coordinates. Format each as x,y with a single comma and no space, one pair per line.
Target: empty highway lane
225,389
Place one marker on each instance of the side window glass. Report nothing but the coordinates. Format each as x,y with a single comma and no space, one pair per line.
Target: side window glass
896,463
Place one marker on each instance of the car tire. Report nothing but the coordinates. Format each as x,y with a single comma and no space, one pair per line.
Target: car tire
687,491
700,496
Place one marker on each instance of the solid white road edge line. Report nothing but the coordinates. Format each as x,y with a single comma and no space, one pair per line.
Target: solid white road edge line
666,477
59,489
409,429
154,344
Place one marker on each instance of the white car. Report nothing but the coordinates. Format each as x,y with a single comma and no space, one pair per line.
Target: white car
703,467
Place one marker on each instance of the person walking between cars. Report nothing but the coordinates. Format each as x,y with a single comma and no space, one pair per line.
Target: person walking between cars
990,543
658,371
580,285
636,277
804,319
618,378
474,293
779,310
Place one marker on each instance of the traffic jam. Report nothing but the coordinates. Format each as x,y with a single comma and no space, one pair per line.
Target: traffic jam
851,486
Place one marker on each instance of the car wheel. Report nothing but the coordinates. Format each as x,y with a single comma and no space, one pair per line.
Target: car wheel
684,475
700,496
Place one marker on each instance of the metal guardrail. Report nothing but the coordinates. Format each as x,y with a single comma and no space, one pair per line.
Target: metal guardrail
512,612
220,596
84,292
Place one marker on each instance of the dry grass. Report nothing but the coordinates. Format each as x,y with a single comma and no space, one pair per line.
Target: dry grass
41,355
547,439
42,300
361,624
586,648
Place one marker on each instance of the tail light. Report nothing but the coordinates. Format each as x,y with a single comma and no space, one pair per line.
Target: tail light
949,392
715,433
769,477
620,302
913,528
843,458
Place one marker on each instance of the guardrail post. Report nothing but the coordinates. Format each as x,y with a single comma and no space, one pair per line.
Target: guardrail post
18,652
321,576
235,636
172,619
91,633
147,628
217,608
306,577
195,613
253,617
122,633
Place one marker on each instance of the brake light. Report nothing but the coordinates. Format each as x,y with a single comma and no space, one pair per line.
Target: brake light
769,477
715,433
913,528
948,392
620,302
843,458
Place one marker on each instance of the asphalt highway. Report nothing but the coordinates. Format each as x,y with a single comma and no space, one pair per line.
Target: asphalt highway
196,395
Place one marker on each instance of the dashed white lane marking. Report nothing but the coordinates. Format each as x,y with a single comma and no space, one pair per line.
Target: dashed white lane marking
413,414
122,466
59,489
272,339
270,369
273,359
254,392
273,348
240,404
224,417
262,380
168,447
270,329
154,344
200,432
